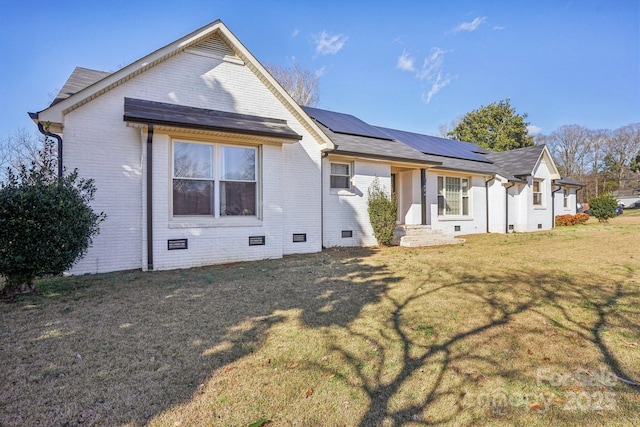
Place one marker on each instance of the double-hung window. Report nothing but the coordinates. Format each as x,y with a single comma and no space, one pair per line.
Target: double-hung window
565,199
214,180
341,176
453,196
537,192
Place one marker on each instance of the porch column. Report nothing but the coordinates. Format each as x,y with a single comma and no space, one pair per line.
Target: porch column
423,198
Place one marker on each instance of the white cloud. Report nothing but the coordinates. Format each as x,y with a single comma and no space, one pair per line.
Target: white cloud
469,26
405,62
430,71
432,64
437,84
295,32
499,27
327,44
533,130
320,72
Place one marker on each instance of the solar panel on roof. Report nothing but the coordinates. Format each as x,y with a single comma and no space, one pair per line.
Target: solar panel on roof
438,146
345,123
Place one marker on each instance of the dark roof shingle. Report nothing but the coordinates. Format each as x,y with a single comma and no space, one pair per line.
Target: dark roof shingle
79,79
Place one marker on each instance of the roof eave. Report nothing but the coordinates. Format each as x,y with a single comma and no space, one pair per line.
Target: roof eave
383,157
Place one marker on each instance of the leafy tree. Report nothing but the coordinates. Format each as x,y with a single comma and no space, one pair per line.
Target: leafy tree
603,206
383,210
495,127
300,83
46,223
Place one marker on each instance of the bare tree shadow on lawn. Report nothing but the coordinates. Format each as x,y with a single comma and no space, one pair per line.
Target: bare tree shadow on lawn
124,347
503,329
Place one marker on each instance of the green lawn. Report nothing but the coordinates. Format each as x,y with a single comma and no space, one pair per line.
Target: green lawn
524,329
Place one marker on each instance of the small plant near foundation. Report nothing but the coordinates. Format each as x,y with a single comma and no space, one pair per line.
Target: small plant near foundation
383,208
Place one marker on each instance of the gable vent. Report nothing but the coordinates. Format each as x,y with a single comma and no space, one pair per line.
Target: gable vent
214,47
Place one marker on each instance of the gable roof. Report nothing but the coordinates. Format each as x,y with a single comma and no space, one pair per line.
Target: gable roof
80,78
522,162
75,95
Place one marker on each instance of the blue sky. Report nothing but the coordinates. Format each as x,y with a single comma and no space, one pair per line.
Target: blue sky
412,65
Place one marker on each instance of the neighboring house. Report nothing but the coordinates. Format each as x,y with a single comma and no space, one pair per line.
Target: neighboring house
628,198
201,157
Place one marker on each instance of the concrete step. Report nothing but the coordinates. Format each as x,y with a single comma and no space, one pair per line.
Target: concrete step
414,242
422,235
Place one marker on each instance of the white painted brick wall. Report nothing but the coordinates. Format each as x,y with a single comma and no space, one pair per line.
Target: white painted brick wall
349,212
475,223
99,143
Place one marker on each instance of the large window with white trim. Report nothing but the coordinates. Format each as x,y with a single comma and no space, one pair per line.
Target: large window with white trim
214,180
453,196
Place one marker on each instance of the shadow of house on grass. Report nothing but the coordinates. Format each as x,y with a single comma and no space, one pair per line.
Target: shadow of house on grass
129,346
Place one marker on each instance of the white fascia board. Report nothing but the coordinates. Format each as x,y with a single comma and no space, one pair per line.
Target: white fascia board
553,170
56,112
267,79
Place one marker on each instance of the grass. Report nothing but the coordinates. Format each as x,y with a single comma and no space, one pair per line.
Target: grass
523,329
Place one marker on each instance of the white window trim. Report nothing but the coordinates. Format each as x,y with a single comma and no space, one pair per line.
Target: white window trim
469,196
189,221
342,191
542,204
566,199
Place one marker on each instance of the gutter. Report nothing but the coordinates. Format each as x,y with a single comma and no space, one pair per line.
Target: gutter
45,132
323,155
150,196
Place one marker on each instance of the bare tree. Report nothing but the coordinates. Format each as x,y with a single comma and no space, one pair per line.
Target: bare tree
569,146
620,153
444,128
599,140
21,147
300,83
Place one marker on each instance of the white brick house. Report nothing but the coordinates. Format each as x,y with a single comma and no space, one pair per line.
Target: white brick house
200,157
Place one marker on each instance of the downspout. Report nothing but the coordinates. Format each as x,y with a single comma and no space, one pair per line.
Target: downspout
150,196
553,205
59,138
486,196
506,207
324,155
423,199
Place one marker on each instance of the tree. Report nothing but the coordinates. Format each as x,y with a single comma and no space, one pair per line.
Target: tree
620,153
496,127
603,207
46,222
383,210
569,146
300,83
18,148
